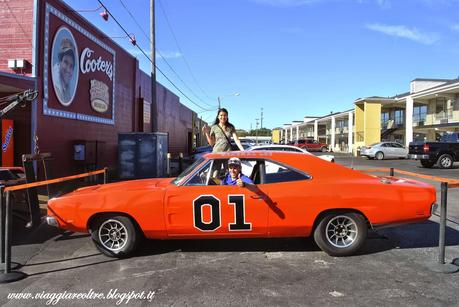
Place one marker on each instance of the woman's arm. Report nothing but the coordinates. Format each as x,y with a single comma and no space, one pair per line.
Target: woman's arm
210,138
238,143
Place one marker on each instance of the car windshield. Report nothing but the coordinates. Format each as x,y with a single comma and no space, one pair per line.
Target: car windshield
188,170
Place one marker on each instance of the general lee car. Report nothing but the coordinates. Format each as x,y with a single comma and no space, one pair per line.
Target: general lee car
293,195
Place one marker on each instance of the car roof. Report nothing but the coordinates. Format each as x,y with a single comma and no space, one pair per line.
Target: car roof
274,146
308,163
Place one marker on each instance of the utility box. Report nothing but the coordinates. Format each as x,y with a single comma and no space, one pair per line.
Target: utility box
142,155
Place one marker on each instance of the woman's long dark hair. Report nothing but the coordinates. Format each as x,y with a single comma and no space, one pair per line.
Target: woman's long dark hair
228,124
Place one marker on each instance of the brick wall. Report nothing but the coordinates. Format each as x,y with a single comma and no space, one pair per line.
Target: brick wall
16,33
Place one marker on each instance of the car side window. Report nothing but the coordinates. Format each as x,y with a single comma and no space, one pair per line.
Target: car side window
201,177
275,173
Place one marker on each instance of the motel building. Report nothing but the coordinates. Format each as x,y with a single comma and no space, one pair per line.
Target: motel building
428,110
335,129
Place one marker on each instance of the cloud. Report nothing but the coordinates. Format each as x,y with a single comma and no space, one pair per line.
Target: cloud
168,55
436,3
288,3
404,32
160,55
384,4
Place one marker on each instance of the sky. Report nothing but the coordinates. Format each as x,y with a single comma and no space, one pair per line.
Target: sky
293,58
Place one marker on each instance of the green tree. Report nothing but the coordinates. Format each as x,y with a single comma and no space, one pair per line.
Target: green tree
241,133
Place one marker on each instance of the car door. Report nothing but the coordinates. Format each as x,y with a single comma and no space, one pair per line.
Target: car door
288,200
202,208
399,150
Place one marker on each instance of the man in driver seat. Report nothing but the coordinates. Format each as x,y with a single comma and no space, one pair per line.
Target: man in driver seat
234,176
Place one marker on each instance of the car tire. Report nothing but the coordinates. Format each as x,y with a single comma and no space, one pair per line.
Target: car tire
379,155
115,236
323,149
445,161
427,163
341,233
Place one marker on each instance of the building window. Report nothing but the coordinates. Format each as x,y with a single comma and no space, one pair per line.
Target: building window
399,117
440,107
419,114
384,119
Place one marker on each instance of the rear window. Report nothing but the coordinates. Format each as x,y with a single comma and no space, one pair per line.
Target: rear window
279,173
449,138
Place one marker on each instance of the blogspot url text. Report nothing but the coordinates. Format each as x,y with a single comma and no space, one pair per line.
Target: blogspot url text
53,298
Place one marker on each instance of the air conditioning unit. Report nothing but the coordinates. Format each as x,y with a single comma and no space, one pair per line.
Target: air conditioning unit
12,63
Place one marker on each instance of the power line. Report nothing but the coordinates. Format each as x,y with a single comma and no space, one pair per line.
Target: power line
141,50
170,67
180,50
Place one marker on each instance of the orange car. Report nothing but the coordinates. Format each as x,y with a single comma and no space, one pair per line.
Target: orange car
294,195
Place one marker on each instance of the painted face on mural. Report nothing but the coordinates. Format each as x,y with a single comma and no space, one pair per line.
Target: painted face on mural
66,67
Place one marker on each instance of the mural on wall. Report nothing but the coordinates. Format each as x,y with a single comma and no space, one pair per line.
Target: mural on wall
64,60
79,71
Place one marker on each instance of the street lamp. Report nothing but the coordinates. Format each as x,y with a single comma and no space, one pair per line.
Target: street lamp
221,98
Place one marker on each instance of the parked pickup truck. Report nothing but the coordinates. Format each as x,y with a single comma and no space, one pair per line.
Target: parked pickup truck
445,152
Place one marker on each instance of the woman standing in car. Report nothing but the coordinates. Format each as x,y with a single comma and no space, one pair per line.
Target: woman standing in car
219,135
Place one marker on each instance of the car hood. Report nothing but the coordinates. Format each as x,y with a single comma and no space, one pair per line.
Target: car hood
132,185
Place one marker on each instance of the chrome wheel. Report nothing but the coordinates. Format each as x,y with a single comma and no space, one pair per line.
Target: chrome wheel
379,156
341,231
113,235
446,161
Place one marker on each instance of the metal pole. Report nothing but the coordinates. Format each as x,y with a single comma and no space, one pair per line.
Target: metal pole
219,105
154,104
2,226
168,164
441,240
391,172
180,162
105,175
7,275
8,228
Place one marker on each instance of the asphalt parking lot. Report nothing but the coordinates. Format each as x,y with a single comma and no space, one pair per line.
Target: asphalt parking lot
393,268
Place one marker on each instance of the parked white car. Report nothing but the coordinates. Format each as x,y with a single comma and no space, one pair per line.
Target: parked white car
384,150
273,147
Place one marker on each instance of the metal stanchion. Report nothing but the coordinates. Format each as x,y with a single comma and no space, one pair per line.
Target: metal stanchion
180,161
440,266
168,164
8,275
391,172
441,238
13,265
2,222
105,175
